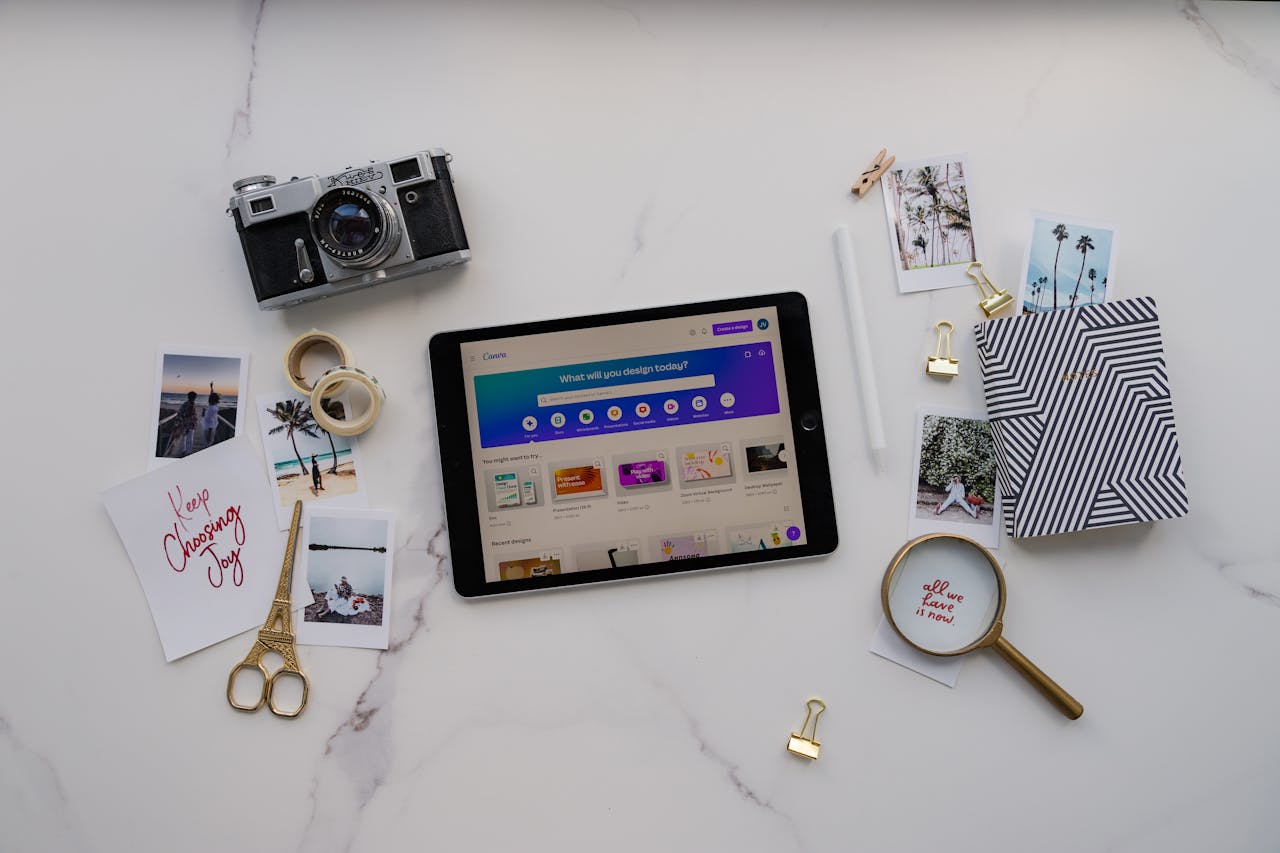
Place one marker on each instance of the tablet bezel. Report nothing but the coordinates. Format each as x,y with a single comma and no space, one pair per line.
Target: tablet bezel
458,471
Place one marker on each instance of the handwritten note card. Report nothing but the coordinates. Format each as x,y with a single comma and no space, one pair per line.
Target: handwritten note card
202,536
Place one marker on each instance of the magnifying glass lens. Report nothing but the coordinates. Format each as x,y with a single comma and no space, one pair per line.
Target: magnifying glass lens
944,595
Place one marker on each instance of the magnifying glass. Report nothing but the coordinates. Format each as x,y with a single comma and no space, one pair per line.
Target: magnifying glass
945,596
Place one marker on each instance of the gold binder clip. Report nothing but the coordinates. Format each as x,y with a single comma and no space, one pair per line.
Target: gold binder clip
938,364
807,747
997,299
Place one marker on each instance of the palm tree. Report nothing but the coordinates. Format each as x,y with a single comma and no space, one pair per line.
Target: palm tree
1083,245
926,184
1043,280
294,417
1060,232
1092,275
333,409
957,213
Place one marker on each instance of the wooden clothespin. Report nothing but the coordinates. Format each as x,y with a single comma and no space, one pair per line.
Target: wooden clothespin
873,173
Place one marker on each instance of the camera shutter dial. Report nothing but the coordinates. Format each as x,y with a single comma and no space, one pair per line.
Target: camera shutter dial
257,182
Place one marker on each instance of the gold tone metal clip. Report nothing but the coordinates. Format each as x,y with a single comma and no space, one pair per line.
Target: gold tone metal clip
807,747
872,174
992,302
938,364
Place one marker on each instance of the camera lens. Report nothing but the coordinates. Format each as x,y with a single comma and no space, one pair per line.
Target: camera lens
351,226
355,228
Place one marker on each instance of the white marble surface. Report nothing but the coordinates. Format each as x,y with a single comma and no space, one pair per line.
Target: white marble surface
612,155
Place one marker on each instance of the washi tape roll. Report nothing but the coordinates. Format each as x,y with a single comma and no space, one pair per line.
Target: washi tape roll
303,344
336,377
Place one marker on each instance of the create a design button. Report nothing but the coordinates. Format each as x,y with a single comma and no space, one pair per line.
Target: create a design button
731,328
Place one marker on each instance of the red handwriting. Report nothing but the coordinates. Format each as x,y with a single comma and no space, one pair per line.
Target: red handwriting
938,603
181,545
181,505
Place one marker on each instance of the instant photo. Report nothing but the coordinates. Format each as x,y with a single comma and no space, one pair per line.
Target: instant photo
346,556
954,486
304,461
197,401
1069,262
931,225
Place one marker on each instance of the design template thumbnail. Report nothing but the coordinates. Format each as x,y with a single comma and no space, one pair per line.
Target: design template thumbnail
578,479
764,456
516,486
706,462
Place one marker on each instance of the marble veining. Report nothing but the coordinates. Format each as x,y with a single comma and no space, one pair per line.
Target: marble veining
1233,49
242,118
357,757
638,717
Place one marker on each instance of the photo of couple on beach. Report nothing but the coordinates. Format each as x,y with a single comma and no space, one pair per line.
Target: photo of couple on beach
305,461
198,403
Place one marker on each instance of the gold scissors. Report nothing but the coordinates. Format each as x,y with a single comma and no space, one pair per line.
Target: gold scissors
276,636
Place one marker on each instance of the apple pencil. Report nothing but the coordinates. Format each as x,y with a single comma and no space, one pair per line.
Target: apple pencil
856,315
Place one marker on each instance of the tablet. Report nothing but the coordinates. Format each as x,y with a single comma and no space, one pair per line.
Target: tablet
632,444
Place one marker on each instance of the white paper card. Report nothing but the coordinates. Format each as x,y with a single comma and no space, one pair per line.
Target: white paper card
346,556
887,644
202,537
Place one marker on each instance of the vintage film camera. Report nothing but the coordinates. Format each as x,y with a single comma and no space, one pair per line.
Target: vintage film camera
315,237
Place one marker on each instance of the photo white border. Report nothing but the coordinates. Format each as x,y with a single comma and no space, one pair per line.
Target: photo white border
934,278
987,536
1108,293
359,499
242,393
333,634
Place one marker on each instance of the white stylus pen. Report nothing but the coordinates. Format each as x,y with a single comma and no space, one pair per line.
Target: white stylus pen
856,315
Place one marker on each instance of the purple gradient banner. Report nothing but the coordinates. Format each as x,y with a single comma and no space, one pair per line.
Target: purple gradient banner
626,394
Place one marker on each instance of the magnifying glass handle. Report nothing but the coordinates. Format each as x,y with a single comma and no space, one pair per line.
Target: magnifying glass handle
1063,700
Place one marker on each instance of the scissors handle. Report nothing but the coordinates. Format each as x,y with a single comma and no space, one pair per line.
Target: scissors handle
252,663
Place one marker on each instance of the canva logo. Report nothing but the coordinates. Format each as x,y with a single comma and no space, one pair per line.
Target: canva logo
490,356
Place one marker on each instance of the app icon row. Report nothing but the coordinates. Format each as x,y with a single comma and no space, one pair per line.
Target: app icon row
615,412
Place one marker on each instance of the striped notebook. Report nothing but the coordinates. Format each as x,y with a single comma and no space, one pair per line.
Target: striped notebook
1082,418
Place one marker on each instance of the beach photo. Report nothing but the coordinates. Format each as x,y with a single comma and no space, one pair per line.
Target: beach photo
347,556
196,402
954,486
305,462
1069,262
929,209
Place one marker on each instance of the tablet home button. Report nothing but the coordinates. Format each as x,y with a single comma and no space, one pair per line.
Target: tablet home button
809,421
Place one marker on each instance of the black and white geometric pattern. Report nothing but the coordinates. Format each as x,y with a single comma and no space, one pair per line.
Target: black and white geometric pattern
1082,418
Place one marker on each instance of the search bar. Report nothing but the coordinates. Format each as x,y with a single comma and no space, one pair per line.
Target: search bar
634,389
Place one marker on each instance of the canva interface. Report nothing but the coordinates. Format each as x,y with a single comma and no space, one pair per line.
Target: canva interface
638,443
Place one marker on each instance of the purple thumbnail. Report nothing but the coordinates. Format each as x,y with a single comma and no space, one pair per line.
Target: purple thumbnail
645,473
731,328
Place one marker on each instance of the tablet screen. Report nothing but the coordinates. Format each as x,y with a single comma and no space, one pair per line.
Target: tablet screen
632,444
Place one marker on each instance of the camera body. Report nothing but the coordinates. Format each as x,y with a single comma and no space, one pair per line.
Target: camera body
310,238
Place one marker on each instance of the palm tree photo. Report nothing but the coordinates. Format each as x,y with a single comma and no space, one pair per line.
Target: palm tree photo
931,215
1048,269
294,417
